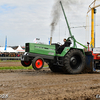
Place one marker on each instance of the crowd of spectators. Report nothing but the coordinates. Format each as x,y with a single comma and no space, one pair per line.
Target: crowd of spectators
11,54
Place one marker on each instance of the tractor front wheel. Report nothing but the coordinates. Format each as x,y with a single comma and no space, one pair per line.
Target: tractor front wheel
26,63
38,63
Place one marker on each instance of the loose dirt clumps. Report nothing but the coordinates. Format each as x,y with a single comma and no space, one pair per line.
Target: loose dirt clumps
46,85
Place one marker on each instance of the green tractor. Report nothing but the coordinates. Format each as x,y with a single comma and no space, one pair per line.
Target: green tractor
71,60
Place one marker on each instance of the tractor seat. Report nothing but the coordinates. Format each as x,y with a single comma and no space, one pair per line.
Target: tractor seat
68,43
61,48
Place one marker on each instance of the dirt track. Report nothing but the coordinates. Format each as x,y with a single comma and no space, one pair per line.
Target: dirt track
46,85
7,64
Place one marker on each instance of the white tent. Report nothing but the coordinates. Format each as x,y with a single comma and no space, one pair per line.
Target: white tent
1,49
19,49
8,49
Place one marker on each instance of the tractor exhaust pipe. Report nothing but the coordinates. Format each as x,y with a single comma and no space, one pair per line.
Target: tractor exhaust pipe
50,40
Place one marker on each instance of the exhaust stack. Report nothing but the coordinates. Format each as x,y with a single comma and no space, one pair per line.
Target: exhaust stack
50,40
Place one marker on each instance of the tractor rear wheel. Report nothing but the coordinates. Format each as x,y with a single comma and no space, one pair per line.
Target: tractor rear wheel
74,62
26,63
55,68
38,63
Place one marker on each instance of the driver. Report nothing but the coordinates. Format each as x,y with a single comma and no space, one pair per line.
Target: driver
66,44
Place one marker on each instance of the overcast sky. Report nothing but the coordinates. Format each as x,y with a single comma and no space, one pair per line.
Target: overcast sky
23,20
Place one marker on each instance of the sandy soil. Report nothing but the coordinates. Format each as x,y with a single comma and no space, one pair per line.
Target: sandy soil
46,85
5,63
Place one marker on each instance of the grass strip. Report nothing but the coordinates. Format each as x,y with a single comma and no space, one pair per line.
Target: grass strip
17,67
9,60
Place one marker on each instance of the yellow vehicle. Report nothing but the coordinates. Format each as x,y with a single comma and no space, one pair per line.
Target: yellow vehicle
93,12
